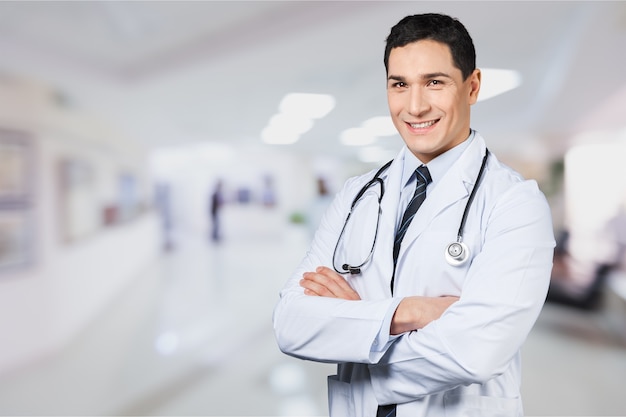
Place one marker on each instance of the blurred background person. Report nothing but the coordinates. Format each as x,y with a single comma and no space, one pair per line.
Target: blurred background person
268,194
318,205
216,203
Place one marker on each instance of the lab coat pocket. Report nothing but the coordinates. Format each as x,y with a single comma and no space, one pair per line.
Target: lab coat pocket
340,401
459,405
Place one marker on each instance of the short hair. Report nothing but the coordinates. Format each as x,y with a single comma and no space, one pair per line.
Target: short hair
439,28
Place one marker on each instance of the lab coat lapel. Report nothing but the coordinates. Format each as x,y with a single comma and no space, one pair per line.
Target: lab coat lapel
389,210
389,204
456,184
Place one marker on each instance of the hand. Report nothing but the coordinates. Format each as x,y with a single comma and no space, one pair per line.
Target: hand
325,282
413,313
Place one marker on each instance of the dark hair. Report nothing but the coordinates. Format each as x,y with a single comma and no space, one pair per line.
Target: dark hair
436,27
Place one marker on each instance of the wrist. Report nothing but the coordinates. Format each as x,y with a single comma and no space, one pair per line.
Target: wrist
406,317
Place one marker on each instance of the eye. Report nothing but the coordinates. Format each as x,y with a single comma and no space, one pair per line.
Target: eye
399,84
435,83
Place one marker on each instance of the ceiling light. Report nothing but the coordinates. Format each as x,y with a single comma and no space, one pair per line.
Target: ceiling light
380,126
285,129
497,81
313,106
274,136
296,114
290,123
357,136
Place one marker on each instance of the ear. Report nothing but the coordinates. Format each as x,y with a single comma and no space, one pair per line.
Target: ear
474,82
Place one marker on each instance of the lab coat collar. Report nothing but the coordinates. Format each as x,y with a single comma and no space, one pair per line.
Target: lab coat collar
455,185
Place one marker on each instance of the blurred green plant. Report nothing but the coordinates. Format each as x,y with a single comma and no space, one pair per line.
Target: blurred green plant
297,218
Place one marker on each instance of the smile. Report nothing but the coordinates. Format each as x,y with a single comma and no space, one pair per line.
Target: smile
423,125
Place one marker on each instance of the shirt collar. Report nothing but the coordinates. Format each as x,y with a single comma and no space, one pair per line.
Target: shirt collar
438,166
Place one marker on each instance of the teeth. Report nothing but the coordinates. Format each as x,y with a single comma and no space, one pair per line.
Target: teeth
422,125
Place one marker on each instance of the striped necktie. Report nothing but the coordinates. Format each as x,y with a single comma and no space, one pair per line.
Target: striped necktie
423,179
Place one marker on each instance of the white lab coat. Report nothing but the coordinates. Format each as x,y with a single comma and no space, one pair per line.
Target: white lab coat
466,363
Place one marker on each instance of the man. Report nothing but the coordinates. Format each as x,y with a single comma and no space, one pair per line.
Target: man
427,325
215,209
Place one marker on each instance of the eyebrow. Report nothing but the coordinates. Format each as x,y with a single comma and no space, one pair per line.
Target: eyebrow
423,76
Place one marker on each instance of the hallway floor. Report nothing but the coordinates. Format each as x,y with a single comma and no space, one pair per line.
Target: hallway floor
192,336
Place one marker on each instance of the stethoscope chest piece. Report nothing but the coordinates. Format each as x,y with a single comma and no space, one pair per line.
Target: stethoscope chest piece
457,253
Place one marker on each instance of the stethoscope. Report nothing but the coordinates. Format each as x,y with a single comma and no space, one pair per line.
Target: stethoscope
456,254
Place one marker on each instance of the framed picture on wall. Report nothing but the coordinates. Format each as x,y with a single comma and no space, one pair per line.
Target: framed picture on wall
15,239
15,168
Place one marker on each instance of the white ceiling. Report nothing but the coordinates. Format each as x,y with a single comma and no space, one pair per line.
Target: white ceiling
178,72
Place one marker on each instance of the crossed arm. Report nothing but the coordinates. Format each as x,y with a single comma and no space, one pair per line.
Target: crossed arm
413,312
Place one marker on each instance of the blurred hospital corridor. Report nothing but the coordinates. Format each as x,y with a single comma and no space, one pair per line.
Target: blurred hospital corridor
191,335
164,164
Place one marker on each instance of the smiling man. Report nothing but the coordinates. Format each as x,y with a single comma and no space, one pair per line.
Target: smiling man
425,276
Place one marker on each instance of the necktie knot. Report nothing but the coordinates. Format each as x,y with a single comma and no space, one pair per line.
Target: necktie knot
423,175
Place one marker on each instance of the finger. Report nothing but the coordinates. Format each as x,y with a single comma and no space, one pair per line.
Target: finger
336,283
313,287
322,285
344,289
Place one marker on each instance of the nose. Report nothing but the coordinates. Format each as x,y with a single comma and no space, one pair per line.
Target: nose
418,102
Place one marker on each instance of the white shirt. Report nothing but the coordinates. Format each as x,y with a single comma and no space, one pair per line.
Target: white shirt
437,169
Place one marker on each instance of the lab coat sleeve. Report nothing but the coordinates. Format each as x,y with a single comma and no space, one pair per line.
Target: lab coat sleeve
477,338
327,329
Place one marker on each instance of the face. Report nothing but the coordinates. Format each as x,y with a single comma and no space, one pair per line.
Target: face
428,99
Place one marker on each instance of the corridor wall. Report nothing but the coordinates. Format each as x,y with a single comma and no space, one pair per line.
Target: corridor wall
88,224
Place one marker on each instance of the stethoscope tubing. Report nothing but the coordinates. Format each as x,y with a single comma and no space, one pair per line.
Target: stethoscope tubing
453,259
459,235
